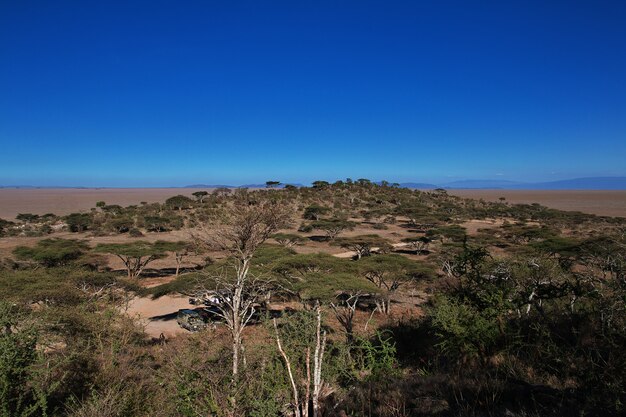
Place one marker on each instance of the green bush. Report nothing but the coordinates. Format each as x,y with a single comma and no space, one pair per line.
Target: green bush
52,252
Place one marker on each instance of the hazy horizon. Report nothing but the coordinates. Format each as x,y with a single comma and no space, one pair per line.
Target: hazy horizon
591,183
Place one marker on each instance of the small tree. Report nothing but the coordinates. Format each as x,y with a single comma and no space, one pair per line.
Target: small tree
314,211
200,195
78,222
157,223
272,184
113,209
27,217
4,224
180,250
341,290
454,232
135,256
244,229
52,252
179,202
418,244
333,227
388,273
363,245
121,224
288,240
415,213
299,339
345,310
298,266
320,184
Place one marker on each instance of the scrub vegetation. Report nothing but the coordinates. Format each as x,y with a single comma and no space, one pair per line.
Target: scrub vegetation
341,299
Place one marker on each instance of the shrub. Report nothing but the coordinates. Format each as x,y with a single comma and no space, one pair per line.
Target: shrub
52,252
134,232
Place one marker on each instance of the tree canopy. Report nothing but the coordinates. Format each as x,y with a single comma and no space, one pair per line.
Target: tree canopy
362,245
135,255
332,227
52,252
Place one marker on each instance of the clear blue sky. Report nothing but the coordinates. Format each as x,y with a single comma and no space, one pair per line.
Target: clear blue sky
155,93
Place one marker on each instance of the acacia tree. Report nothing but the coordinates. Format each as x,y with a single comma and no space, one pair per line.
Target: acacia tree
180,250
27,217
302,351
332,227
200,196
52,252
418,244
272,184
288,240
179,202
135,256
414,213
345,310
245,227
388,273
363,245
320,184
454,233
314,211
78,222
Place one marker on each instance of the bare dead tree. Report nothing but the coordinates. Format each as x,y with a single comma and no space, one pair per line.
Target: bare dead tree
301,408
245,227
318,358
344,312
294,387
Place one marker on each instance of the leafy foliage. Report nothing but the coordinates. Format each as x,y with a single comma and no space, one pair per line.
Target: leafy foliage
52,252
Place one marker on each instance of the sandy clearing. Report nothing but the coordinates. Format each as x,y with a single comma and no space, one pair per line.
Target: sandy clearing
159,315
473,226
351,254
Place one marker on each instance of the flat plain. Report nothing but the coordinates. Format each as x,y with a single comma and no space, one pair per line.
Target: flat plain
62,201
600,202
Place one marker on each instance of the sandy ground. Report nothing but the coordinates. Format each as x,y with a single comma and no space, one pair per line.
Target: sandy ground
473,226
159,315
603,203
352,254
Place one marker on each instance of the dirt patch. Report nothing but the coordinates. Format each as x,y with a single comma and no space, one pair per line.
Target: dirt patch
473,226
159,315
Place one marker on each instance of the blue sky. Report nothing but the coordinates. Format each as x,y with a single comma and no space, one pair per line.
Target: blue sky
160,93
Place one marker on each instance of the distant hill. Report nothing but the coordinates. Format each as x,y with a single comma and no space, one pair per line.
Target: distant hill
238,186
419,185
207,186
482,184
590,183
587,183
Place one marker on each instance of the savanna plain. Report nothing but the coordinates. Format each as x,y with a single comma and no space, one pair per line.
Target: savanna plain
340,299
